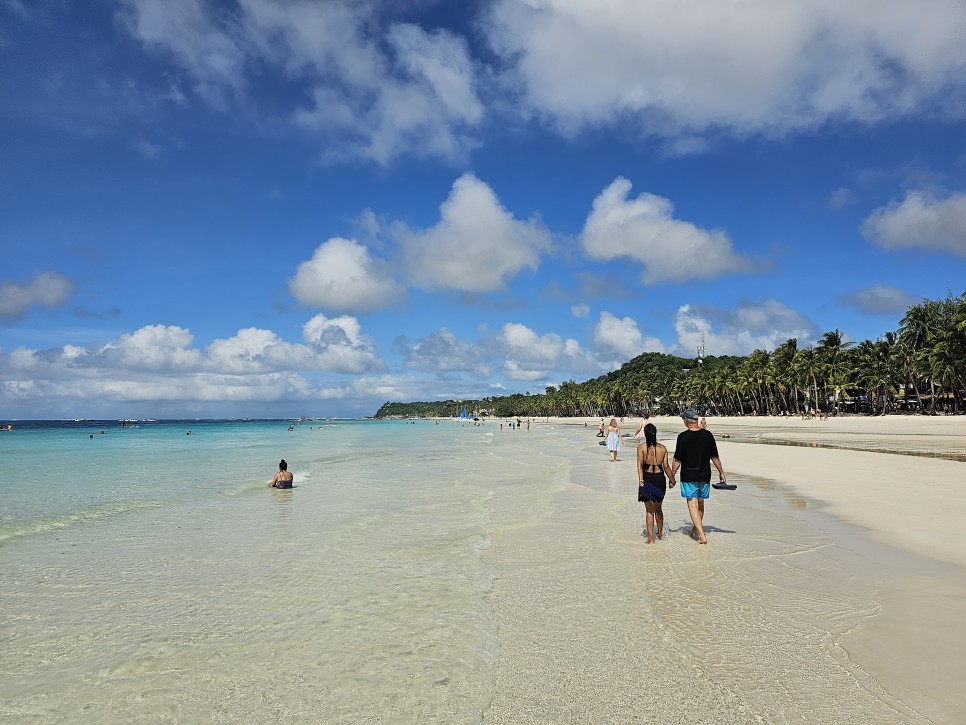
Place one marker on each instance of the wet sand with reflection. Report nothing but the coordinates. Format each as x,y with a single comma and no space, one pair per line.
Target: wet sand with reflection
802,609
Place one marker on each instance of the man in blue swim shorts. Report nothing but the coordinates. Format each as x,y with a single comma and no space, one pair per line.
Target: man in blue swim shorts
694,453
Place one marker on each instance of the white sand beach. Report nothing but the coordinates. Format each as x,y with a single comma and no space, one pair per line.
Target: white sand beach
832,589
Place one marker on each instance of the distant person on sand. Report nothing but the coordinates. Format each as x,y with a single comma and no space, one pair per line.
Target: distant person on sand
703,424
694,453
639,433
613,439
600,431
283,479
652,464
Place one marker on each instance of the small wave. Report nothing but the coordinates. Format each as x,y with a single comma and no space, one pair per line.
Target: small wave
73,518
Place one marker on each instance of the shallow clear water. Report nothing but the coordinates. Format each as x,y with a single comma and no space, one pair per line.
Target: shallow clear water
418,573
149,574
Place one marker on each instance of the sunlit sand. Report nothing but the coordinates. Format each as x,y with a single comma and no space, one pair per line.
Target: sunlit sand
831,589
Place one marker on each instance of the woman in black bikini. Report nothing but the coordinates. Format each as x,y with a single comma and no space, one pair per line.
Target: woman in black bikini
651,466
283,479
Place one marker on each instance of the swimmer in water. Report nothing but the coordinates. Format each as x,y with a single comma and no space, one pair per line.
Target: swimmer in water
283,479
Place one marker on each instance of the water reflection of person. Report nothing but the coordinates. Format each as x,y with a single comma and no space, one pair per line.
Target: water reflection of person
283,479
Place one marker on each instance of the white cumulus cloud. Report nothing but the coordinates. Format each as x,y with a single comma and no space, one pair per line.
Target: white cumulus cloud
644,229
443,352
740,65
343,276
46,290
159,364
476,246
531,356
207,47
751,326
922,220
154,347
339,345
620,339
331,345
368,88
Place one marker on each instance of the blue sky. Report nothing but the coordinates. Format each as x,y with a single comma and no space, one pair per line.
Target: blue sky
291,207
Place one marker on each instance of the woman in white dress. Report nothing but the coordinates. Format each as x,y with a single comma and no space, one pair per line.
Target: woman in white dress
613,439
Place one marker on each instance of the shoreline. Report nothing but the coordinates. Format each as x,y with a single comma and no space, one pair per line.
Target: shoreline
858,468
822,565
467,574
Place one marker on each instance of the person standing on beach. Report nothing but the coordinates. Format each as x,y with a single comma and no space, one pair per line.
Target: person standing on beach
639,433
613,439
652,464
694,453
283,479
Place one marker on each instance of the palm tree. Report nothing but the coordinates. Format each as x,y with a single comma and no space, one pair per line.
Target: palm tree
832,349
916,330
875,370
946,358
783,361
807,368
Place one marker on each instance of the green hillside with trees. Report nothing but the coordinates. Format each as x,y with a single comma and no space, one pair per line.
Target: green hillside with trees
921,367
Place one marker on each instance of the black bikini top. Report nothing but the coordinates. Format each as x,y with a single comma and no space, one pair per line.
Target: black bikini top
648,466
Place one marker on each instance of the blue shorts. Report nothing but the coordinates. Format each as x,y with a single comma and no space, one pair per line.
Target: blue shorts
695,490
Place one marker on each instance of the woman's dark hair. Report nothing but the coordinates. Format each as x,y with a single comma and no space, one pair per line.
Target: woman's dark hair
282,465
650,435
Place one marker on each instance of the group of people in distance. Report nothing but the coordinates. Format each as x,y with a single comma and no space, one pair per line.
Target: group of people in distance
694,453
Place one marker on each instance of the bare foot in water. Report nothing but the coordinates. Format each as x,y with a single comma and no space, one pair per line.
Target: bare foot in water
649,541
694,535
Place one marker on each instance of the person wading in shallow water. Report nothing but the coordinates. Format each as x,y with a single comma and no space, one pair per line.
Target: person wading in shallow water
283,479
613,439
652,464
694,453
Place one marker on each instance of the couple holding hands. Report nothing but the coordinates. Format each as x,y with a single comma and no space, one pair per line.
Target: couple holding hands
696,450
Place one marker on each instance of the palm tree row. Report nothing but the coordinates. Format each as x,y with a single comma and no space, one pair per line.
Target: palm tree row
921,366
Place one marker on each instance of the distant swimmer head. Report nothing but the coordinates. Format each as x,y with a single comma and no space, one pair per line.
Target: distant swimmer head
282,465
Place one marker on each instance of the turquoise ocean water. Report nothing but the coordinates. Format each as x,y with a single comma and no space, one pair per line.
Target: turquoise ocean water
419,573
148,575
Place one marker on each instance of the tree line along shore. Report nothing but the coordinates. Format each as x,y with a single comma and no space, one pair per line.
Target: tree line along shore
918,368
